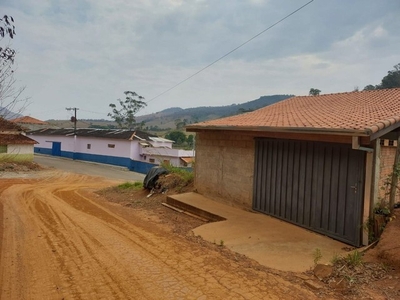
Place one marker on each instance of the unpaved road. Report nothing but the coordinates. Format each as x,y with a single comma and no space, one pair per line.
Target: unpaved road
58,240
87,168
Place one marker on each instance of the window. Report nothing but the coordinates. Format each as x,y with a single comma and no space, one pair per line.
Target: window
3,148
111,145
88,146
391,143
152,160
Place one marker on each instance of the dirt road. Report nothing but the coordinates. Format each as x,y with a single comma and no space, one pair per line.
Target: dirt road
87,168
59,240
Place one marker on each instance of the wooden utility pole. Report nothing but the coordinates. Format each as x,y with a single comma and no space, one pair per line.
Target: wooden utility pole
73,119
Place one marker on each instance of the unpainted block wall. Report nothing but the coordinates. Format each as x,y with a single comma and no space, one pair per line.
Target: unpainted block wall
386,168
224,167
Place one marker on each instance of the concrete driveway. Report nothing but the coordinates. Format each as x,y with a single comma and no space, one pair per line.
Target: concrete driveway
88,168
269,241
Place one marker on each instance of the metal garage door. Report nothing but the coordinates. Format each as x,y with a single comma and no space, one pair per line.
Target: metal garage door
315,185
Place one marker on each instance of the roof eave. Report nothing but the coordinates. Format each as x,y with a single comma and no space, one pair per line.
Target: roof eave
305,130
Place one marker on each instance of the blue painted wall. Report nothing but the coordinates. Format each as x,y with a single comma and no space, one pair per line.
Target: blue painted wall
132,165
140,167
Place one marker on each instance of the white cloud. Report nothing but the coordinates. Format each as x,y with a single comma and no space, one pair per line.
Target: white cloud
86,53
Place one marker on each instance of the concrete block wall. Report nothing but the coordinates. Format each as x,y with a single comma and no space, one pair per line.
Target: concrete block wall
224,167
388,151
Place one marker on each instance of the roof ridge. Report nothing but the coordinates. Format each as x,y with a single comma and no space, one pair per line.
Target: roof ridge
343,93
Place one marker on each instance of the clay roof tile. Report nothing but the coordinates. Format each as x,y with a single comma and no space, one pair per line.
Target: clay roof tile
366,111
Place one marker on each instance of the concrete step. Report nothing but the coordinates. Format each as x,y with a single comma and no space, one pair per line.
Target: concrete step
173,200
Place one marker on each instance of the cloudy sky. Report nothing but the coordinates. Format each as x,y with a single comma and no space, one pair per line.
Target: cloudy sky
86,53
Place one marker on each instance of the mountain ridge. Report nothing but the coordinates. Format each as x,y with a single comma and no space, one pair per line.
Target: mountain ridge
205,113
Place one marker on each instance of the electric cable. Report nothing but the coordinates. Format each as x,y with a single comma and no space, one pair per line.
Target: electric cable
230,52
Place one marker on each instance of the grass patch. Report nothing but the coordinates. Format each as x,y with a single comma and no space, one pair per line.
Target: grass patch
354,258
131,186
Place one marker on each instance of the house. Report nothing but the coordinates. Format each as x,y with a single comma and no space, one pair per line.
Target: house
29,123
136,150
14,144
315,161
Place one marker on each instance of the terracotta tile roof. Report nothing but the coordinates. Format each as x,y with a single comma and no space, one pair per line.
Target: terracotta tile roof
187,160
8,139
28,120
363,112
7,125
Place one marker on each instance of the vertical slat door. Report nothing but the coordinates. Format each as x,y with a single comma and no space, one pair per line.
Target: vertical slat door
316,185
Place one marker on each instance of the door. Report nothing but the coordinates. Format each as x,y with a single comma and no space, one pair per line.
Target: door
316,185
56,149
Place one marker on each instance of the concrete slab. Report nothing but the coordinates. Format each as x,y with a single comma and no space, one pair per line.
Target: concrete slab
269,241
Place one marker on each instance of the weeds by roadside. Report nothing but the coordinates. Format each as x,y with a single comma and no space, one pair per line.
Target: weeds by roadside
131,186
186,175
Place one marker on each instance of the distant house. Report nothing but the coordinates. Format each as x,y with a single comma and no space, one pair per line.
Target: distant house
315,161
136,150
29,123
14,144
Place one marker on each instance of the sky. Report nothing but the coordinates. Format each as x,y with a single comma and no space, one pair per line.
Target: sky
86,53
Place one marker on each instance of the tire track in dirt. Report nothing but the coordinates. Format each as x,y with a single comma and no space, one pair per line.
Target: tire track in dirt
58,243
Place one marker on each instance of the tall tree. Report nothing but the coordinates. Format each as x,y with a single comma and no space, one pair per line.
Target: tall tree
391,80
11,102
125,115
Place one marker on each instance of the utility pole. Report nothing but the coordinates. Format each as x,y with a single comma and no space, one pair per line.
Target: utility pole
73,119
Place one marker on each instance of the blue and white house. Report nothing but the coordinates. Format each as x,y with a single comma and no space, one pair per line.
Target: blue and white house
137,150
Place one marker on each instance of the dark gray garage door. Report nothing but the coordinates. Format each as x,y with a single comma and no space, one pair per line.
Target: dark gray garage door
315,185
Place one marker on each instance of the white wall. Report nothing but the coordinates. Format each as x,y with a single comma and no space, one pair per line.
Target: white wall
135,151
123,148
162,154
67,143
167,152
20,149
99,146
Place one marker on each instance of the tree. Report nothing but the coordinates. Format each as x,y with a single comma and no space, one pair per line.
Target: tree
369,87
391,80
125,116
11,102
180,124
314,92
7,26
190,140
177,136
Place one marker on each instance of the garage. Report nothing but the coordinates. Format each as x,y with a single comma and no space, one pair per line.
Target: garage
315,185
319,162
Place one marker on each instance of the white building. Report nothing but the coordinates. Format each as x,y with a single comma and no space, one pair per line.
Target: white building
14,145
136,150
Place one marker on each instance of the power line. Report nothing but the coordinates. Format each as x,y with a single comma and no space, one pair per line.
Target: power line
233,50
94,112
